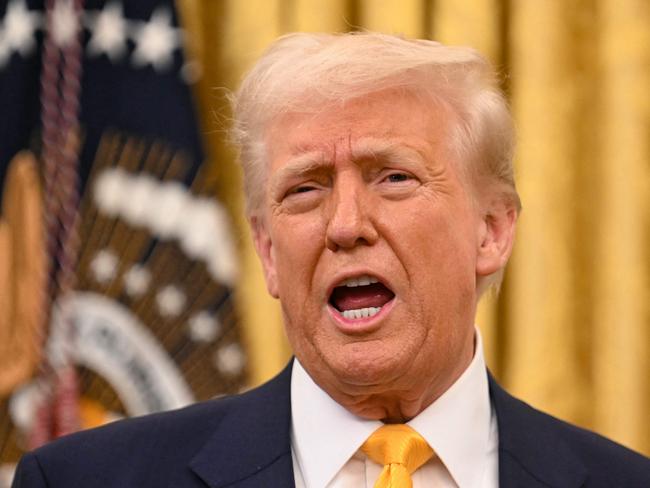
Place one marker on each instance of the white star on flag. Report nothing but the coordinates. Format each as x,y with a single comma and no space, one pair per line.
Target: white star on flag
156,40
137,280
17,34
65,23
170,301
109,32
229,359
203,327
104,266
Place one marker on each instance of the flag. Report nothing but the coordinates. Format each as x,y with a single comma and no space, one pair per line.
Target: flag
117,261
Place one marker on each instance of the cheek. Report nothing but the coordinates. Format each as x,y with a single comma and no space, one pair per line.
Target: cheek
298,243
438,251
439,260
451,281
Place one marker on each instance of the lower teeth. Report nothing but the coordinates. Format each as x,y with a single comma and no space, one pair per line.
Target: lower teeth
361,313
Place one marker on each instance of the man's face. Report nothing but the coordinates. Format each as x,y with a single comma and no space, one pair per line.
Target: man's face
369,238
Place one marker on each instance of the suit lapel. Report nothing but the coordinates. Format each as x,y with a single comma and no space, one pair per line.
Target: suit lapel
252,440
531,453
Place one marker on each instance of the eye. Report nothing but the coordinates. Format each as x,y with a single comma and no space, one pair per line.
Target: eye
397,177
395,183
302,197
298,190
302,189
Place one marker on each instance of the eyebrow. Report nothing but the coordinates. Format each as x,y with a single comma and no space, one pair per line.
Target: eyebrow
310,162
303,163
384,150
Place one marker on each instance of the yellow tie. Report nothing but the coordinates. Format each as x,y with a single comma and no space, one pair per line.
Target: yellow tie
401,451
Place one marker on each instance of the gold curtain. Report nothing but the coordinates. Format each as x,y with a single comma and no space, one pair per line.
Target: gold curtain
570,331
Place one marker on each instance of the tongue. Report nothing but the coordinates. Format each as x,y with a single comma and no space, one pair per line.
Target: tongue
352,298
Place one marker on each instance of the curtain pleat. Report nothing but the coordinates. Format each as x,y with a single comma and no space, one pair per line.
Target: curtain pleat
541,331
392,16
320,16
475,23
621,327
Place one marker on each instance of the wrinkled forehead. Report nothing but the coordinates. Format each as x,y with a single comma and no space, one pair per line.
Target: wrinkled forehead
383,123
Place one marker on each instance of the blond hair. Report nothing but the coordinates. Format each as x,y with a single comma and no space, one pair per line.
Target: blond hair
304,72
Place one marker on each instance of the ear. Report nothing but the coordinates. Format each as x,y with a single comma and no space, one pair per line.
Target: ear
496,236
264,248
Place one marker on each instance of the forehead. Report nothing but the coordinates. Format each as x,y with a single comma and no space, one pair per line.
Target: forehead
380,123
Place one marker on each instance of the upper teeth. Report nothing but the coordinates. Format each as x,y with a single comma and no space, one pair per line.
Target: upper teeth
359,281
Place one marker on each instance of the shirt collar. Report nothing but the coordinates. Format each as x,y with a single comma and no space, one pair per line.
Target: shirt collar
457,425
324,435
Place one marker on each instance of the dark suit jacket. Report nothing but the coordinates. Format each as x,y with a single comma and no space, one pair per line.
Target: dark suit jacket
243,441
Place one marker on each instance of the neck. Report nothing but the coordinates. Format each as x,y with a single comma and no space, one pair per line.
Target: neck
401,400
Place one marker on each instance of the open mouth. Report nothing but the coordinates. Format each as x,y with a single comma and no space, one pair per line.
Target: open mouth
360,297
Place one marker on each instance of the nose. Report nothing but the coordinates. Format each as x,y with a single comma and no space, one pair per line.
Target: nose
349,222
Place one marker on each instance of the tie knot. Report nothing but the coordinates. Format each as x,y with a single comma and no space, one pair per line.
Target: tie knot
397,444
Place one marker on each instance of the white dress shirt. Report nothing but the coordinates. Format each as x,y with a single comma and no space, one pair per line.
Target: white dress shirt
460,426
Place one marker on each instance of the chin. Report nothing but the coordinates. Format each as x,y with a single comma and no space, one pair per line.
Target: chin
366,365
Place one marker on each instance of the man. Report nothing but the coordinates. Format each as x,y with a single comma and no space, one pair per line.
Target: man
378,174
